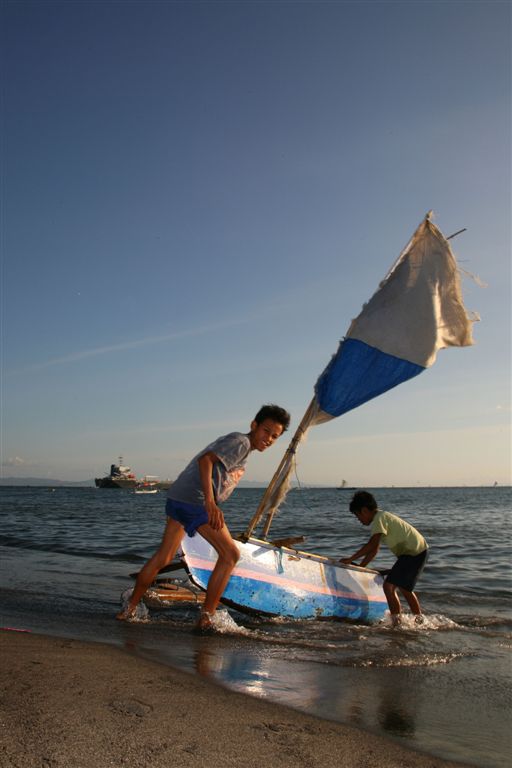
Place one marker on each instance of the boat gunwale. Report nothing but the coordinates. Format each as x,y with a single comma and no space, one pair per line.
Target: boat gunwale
307,555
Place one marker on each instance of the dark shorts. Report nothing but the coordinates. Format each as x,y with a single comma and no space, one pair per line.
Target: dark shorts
190,516
407,570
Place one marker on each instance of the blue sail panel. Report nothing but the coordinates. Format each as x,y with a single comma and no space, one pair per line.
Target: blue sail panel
357,373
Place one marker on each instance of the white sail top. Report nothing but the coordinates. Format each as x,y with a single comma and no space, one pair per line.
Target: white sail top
418,307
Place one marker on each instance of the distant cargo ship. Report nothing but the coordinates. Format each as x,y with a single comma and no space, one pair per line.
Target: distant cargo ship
123,477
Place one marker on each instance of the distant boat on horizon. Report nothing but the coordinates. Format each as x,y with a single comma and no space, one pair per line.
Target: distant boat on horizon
122,477
344,487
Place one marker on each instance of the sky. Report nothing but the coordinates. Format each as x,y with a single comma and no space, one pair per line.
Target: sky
198,197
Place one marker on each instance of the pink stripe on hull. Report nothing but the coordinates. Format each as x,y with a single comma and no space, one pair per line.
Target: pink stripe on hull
207,565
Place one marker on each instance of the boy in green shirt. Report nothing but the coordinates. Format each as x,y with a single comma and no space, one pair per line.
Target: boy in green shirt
403,540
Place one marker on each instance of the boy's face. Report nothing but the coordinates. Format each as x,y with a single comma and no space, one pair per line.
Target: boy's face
263,435
365,516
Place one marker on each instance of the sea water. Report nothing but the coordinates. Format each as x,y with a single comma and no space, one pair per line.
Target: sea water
444,687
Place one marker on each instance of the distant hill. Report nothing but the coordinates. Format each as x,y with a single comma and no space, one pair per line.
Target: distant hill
52,483
46,481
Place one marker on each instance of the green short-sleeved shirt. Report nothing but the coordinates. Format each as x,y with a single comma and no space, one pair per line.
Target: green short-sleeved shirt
401,537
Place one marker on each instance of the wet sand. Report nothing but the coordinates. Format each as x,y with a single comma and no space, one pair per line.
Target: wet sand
66,703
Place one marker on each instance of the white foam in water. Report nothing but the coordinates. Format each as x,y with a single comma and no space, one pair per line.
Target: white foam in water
421,660
141,612
153,599
224,623
430,621
437,621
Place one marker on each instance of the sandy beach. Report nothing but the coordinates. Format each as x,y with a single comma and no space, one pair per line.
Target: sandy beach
72,704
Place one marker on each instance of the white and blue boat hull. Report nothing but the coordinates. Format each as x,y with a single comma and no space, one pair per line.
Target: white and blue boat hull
278,581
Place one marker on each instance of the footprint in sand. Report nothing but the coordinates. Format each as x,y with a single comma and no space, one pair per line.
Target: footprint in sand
131,707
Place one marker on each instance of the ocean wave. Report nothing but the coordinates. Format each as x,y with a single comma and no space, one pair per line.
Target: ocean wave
421,660
126,556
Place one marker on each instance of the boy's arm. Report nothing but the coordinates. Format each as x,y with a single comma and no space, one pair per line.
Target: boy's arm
215,516
367,552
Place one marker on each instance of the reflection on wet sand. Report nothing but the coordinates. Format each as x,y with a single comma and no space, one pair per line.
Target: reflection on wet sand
258,675
397,707
381,699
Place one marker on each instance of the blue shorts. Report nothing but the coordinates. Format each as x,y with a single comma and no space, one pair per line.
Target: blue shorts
407,570
190,516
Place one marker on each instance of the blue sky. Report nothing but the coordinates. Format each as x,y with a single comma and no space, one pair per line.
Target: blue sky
198,197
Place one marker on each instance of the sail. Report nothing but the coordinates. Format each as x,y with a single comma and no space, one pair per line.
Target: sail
416,311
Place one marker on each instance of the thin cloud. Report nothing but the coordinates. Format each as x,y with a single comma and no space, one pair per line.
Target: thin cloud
489,429
15,461
290,302
133,344
149,430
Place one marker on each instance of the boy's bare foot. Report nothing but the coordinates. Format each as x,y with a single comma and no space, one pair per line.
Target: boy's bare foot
419,618
396,619
126,614
205,624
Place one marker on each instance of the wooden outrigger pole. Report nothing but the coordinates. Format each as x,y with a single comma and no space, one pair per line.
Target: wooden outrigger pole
459,232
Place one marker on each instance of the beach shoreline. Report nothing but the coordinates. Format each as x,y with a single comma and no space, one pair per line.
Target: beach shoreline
72,703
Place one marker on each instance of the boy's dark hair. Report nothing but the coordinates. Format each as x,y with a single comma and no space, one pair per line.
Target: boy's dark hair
275,413
362,499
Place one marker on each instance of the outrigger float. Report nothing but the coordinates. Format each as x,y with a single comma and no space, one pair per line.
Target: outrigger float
416,311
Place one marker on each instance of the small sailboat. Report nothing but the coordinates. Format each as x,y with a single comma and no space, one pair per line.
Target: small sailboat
344,486
416,311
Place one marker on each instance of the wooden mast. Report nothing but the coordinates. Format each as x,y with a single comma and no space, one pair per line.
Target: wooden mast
290,452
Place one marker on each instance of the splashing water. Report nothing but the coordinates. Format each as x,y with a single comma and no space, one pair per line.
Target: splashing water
411,623
224,624
141,612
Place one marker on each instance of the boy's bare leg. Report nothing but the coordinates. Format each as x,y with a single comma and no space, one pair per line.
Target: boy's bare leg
229,554
171,540
412,600
393,602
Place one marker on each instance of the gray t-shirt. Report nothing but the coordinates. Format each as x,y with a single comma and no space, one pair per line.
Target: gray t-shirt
233,451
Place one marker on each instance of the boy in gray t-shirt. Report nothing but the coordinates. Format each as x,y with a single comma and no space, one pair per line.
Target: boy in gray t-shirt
192,505
232,452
